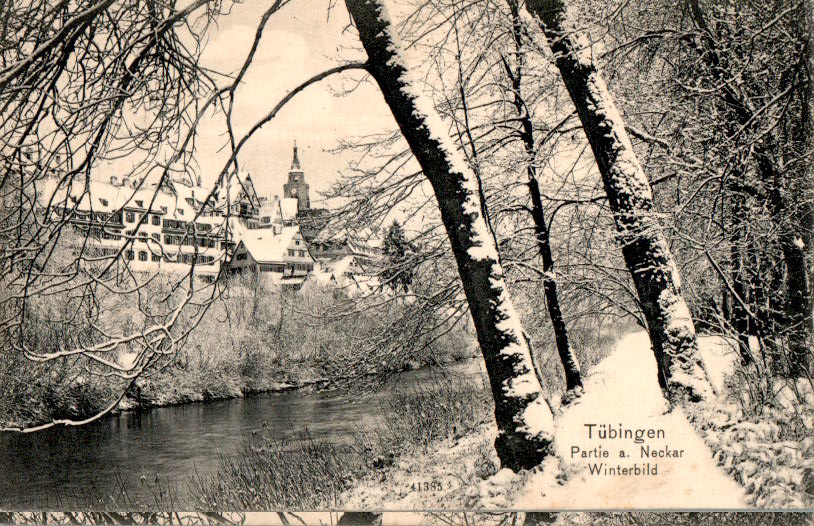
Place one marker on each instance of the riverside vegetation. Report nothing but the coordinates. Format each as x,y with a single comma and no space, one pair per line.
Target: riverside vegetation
254,339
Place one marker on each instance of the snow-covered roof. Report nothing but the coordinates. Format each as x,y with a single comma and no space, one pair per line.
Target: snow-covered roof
176,200
266,247
345,272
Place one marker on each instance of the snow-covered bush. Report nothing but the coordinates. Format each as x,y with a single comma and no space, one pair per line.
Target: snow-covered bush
760,430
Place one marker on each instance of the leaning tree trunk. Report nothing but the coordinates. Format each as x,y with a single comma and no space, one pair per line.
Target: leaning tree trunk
570,364
644,246
524,420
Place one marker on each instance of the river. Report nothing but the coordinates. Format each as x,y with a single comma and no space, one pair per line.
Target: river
58,468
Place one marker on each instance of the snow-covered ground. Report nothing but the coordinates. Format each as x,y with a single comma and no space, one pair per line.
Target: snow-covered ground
622,390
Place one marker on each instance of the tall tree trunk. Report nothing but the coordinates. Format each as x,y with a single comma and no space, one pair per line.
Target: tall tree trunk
570,364
644,246
524,420
795,233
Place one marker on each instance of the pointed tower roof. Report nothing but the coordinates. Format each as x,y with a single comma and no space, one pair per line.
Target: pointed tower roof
295,162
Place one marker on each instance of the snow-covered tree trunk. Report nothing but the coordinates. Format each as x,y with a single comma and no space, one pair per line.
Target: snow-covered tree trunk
644,245
524,420
570,364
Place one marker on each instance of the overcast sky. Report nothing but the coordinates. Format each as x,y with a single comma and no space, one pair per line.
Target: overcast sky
300,41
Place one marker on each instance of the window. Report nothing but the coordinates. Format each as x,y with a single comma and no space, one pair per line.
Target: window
190,202
142,236
241,256
290,252
297,242
130,217
168,239
156,220
156,236
164,209
156,258
181,211
142,255
128,255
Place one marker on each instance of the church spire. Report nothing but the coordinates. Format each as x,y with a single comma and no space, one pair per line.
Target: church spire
295,162
296,187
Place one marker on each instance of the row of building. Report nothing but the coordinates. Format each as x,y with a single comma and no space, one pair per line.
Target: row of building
175,225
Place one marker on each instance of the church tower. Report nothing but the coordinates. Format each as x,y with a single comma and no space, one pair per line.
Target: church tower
296,186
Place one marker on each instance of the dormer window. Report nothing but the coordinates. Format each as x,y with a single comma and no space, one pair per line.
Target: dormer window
140,204
190,202
181,211
103,201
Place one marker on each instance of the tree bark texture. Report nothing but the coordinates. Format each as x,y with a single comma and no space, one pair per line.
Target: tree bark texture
644,245
524,420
